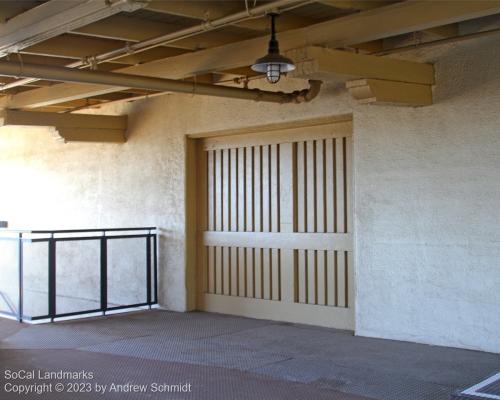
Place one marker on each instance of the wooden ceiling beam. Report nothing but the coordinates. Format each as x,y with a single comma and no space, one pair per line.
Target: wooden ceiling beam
132,29
77,47
378,23
55,17
385,92
361,5
73,46
325,64
210,10
72,127
10,9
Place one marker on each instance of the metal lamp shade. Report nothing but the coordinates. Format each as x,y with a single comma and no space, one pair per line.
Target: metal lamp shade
273,65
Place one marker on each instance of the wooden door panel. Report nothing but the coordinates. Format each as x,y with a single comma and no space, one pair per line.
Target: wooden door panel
276,234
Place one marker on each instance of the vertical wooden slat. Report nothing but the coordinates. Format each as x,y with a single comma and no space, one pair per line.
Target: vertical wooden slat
257,156
233,168
288,219
218,269
274,197
226,192
217,190
241,189
301,195
266,190
210,191
311,185
350,279
302,275
276,275
340,185
320,187
234,271
346,278
344,168
250,177
259,265
242,272
211,269
278,186
321,277
266,274
348,185
341,278
227,270
329,189
250,272
312,268
331,278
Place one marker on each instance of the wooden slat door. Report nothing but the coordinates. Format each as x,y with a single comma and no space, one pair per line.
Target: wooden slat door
275,225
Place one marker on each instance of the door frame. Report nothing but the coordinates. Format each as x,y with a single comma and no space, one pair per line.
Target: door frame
192,194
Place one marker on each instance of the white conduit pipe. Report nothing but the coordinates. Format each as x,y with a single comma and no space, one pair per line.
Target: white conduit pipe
147,44
63,74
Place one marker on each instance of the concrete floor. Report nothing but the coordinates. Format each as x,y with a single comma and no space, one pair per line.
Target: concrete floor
225,357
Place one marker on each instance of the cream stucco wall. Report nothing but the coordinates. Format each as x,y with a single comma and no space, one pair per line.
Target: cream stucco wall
427,190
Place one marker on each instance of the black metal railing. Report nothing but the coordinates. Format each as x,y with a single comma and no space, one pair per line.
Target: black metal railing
103,236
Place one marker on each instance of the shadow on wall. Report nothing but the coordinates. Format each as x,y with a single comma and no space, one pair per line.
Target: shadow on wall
170,249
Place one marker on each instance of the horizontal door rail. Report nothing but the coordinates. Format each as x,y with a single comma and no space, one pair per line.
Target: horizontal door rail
282,240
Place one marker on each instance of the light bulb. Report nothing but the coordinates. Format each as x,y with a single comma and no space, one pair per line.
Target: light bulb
273,72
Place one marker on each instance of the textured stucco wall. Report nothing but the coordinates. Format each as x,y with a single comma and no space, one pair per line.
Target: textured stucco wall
427,189
427,208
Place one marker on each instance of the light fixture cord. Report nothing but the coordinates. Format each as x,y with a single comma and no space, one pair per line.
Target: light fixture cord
273,26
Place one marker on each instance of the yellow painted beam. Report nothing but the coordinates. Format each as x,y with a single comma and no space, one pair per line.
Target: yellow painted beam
210,10
91,135
356,4
376,91
321,63
72,127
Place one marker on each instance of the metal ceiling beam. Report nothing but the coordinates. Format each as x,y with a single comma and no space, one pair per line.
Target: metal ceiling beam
55,17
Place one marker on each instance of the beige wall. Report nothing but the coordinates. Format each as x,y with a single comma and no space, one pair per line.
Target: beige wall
426,193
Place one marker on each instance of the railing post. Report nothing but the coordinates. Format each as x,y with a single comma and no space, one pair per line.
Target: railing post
104,274
155,266
52,277
148,268
20,271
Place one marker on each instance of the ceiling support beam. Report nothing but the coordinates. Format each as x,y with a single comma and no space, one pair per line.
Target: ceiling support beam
55,17
390,81
356,4
131,29
376,91
408,16
210,10
72,127
325,64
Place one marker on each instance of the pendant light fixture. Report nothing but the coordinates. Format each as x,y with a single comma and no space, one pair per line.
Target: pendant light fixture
273,64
